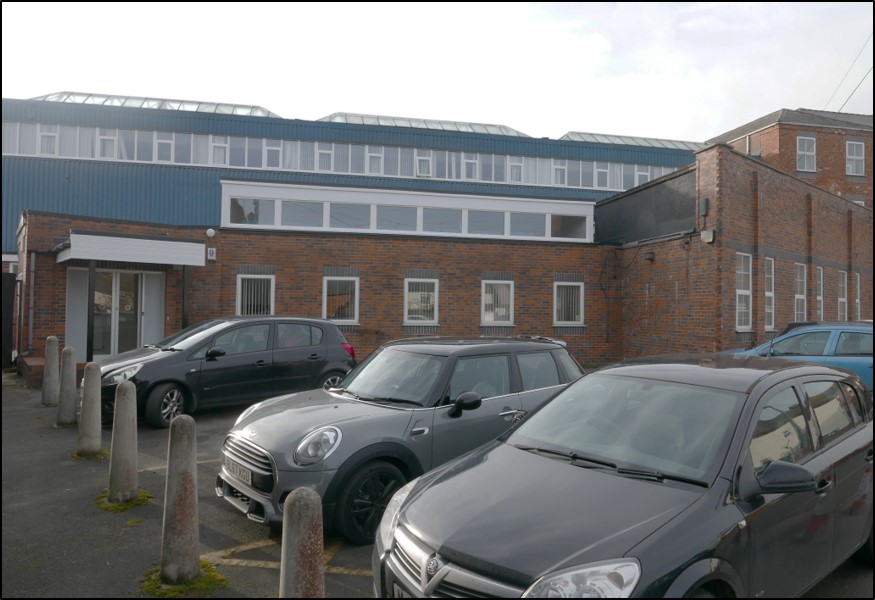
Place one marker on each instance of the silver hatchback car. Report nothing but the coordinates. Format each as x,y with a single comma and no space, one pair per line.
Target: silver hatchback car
409,407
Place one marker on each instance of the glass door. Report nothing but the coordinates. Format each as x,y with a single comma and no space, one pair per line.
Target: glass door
116,312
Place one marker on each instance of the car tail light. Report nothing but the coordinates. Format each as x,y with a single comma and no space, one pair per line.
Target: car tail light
349,349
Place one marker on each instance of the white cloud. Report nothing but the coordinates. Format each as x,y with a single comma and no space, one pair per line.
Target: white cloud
671,70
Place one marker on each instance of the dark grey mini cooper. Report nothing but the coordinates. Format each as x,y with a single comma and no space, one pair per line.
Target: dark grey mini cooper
410,406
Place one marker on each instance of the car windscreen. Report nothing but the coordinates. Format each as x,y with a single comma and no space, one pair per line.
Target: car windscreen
664,427
395,375
191,336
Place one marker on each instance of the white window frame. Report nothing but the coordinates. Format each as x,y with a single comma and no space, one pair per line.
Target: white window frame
804,154
642,174
769,310
241,277
49,132
325,150
216,142
742,324
580,294
855,161
273,148
514,169
843,296
560,171
168,142
471,160
407,294
375,154
493,323
819,293
857,296
800,300
106,134
325,281
422,163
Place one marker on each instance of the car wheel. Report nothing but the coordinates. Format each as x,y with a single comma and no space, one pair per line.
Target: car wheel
164,403
107,412
330,380
364,498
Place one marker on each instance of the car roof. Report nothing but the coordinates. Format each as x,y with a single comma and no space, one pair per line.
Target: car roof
239,319
815,325
732,372
461,346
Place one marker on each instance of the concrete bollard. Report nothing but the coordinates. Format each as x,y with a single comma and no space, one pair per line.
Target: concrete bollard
51,373
123,452
90,418
180,544
68,396
302,565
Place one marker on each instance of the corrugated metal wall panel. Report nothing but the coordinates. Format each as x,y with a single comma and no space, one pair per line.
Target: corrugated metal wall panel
186,121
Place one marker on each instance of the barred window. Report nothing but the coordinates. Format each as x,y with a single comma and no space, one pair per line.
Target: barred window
770,294
742,292
496,303
800,297
340,299
567,303
420,301
255,294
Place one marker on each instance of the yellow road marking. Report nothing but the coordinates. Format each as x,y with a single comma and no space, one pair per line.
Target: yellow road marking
227,557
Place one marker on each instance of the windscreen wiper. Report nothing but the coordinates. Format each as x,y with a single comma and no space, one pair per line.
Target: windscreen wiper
660,476
571,456
396,400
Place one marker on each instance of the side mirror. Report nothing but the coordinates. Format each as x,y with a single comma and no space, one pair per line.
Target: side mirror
465,401
785,478
214,353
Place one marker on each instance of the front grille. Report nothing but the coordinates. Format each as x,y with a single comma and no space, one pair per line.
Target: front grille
253,458
410,557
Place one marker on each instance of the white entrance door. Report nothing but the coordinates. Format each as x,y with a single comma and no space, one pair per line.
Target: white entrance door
128,310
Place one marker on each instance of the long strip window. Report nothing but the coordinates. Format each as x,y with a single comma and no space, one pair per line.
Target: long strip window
743,312
857,296
770,294
30,139
843,295
819,297
801,301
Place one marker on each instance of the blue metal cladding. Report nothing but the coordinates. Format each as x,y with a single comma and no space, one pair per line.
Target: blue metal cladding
28,111
188,195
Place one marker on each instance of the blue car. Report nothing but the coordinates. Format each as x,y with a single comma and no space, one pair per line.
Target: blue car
840,344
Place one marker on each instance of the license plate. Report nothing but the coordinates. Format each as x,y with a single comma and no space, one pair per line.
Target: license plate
398,592
238,471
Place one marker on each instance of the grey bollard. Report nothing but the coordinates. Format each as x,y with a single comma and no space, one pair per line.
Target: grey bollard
180,545
90,418
51,373
123,452
68,397
302,565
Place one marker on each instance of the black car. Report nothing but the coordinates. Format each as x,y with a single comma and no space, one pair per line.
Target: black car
682,476
409,406
228,361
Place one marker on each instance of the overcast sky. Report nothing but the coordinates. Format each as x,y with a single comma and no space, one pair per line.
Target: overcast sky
683,71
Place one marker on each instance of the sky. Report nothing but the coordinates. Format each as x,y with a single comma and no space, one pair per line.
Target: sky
680,71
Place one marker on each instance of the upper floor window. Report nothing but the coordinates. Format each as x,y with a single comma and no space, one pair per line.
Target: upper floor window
806,154
743,312
855,163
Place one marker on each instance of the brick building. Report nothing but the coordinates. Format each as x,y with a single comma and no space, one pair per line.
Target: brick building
827,149
128,223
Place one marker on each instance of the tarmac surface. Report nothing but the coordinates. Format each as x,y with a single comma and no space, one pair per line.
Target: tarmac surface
58,542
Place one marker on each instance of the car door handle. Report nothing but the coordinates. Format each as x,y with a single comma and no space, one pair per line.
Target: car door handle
315,356
869,455
419,431
823,486
259,363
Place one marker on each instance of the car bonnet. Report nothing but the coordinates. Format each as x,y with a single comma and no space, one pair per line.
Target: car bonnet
517,515
277,423
118,361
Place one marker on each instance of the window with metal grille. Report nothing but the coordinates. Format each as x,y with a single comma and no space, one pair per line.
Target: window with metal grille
255,294
800,296
743,312
770,294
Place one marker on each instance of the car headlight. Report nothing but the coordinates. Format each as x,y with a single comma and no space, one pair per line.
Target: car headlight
608,579
389,522
120,375
317,446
